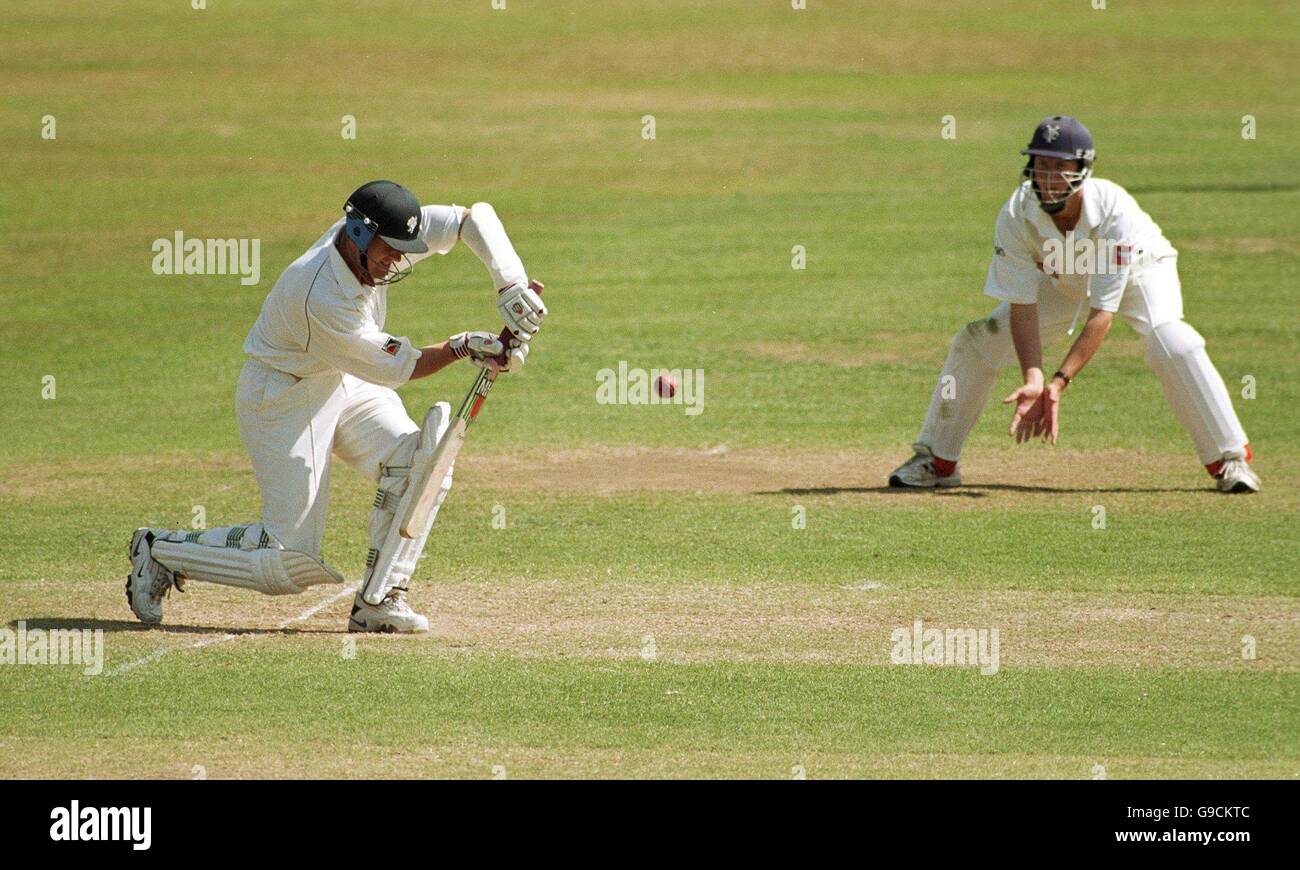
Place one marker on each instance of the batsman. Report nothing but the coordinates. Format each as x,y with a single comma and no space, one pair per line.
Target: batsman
320,382
1070,247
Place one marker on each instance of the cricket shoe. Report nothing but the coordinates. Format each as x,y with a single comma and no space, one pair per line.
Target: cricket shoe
920,472
1236,475
390,616
149,582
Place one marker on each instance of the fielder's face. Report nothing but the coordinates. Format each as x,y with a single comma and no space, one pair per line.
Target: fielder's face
1056,177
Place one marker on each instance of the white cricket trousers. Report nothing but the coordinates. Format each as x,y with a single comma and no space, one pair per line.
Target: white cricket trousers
292,427
1152,304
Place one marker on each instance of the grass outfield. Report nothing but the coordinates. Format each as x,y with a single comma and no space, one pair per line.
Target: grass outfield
650,607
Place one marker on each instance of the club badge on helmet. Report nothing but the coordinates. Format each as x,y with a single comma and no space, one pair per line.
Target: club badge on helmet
390,211
1063,137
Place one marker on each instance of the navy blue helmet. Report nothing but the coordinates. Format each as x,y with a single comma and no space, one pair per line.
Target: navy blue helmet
1065,138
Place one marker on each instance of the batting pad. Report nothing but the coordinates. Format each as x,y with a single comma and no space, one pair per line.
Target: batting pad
223,558
392,558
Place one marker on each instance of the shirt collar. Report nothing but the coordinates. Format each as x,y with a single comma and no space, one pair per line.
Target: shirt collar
343,275
1091,215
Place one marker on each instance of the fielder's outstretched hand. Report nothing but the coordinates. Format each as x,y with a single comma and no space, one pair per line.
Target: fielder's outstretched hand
1028,413
1037,412
1048,424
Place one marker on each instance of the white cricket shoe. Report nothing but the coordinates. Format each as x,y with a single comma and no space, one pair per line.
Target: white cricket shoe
919,471
1236,475
392,615
148,581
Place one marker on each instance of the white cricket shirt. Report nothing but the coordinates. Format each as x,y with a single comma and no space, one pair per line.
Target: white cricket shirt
318,317
1123,239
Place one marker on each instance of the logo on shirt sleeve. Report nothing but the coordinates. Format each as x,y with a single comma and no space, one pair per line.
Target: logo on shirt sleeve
392,346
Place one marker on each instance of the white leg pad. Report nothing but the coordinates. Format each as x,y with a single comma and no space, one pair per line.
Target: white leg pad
392,558
1195,391
245,556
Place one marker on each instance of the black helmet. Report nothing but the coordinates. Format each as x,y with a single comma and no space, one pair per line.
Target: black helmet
1066,138
386,209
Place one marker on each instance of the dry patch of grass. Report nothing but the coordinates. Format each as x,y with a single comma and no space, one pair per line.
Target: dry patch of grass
167,758
1025,470
854,625
722,623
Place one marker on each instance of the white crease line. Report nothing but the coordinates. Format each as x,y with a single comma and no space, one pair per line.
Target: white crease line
318,607
211,641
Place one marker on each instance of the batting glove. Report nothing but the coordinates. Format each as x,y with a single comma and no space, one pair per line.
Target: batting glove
522,309
485,350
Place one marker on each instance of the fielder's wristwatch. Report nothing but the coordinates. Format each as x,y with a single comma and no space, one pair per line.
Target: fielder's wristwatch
1062,375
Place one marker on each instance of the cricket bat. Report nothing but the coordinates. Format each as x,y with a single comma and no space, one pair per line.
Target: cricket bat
429,469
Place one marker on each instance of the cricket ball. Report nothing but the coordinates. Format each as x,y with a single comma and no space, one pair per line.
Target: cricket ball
666,386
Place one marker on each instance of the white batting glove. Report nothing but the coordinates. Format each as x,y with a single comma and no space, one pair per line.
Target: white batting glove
522,309
484,350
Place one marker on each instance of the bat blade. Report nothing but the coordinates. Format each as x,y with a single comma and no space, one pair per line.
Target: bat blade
427,478
429,470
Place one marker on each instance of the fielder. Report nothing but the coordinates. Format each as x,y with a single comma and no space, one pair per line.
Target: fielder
319,382
1066,241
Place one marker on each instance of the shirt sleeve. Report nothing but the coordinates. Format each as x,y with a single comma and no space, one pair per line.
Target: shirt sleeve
340,335
441,227
1014,275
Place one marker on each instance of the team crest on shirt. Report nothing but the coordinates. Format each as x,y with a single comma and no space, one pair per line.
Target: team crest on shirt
392,346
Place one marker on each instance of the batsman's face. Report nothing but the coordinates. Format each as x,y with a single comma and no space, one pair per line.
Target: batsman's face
381,257
1054,175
